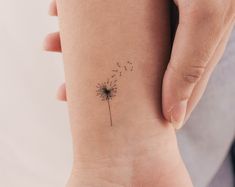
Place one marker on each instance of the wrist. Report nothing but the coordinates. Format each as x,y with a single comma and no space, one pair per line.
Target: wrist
146,153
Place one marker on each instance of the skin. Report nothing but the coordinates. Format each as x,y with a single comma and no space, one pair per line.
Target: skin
205,24
203,31
140,149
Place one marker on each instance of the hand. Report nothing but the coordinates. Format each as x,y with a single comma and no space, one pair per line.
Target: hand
52,43
203,31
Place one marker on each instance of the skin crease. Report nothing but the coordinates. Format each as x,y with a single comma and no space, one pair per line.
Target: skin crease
189,70
140,149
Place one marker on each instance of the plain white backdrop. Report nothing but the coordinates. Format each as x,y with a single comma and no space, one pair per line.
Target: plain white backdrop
35,142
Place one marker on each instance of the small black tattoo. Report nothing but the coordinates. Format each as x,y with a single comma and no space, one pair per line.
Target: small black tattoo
108,90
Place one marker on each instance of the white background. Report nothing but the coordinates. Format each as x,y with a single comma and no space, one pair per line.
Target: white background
35,142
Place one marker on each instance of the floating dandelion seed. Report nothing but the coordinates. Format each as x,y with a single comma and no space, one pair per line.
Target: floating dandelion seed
132,68
106,91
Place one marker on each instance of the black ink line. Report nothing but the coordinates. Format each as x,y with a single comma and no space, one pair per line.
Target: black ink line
110,114
118,64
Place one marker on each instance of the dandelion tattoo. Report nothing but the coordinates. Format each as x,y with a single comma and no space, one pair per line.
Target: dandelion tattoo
108,90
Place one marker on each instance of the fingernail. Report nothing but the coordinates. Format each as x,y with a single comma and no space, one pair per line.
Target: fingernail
178,114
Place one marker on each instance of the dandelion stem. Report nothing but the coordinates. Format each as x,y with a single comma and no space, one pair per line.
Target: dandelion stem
110,114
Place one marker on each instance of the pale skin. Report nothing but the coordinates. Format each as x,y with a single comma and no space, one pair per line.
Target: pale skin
205,24
186,81
140,148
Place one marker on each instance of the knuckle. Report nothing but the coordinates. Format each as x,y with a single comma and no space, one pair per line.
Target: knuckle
193,73
190,74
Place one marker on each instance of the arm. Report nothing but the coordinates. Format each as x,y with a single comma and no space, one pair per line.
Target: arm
114,54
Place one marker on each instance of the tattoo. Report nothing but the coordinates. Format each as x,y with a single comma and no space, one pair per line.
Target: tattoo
118,64
108,90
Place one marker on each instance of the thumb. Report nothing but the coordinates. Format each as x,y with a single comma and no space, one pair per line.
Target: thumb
195,42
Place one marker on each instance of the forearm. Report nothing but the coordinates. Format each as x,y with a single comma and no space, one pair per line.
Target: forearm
103,34
98,34
125,45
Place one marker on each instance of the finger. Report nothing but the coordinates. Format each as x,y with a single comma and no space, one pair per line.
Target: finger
52,42
61,93
201,85
53,9
195,42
